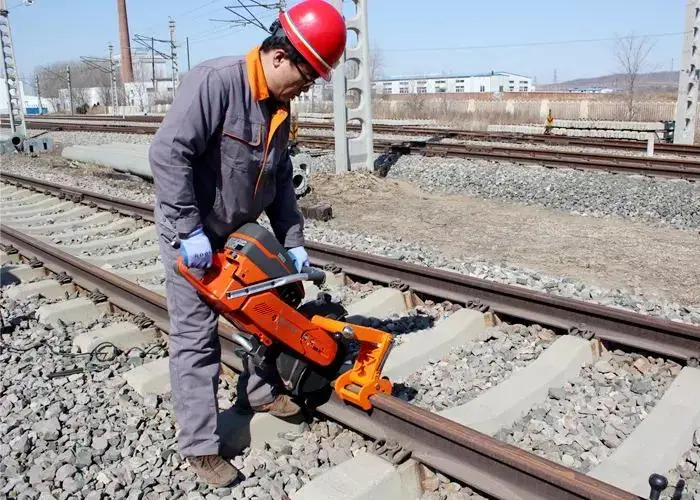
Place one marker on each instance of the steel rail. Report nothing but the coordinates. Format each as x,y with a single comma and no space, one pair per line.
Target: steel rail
115,205
670,338
662,167
455,133
482,462
682,168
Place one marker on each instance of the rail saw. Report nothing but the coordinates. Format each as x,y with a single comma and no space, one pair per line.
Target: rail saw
253,283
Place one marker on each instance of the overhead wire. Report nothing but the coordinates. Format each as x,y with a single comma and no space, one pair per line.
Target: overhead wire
528,44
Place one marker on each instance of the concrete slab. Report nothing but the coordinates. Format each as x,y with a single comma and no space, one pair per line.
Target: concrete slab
242,430
46,202
34,210
51,289
114,258
143,273
80,309
16,273
98,218
364,477
123,334
505,403
659,441
73,213
26,198
124,222
418,348
144,234
334,280
8,258
150,378
379,304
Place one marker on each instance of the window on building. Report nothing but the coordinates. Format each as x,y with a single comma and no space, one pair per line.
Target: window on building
440,81
482,88
459,81
523,88
403,83
421,89
403,90
511,88
459,88
500,88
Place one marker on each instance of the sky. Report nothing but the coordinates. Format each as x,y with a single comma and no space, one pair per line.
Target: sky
575,38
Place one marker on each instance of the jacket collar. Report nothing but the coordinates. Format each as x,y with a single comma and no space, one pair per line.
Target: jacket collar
256,75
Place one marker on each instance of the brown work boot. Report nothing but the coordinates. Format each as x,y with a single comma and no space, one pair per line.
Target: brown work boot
282,406
214,470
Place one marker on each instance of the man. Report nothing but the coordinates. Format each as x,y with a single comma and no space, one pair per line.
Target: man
219,159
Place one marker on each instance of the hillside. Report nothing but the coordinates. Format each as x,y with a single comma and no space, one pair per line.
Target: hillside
661,81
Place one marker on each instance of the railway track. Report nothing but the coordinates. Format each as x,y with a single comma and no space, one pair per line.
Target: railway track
33,224
455,133
678,168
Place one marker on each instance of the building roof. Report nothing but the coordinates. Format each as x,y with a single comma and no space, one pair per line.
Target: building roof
445,77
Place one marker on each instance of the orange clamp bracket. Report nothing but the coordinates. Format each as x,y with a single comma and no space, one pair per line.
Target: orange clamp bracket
364,378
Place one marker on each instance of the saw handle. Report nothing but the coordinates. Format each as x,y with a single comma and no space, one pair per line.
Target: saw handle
198,283
317,276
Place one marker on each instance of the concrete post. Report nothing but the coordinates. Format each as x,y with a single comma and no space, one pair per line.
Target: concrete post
113,78
70,88
340,116
357,152
688,81
38,93
173,56
12,86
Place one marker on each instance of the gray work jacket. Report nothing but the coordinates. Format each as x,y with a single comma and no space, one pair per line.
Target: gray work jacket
220,155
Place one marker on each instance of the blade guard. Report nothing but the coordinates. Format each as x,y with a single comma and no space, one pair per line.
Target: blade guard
364,379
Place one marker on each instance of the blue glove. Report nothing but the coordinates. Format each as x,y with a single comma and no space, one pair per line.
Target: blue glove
300,257
196,249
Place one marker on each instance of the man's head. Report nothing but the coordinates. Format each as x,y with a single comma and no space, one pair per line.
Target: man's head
305,43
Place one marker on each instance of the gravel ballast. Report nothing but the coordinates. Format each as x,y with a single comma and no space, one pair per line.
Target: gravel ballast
472,368
582,422
139,190
90,435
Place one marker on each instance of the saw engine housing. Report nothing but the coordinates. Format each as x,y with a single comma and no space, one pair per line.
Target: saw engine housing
253,283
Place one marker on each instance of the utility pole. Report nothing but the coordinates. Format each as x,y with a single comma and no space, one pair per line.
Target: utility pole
188,52
113,79
173,56
70,88
355,153
153,67
689,77
14,94
38,92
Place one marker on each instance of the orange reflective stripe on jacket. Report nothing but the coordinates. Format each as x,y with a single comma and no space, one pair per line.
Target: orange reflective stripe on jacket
258,86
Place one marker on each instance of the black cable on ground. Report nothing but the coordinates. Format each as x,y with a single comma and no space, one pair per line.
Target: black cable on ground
104,352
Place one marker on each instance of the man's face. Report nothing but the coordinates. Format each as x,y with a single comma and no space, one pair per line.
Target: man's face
294,79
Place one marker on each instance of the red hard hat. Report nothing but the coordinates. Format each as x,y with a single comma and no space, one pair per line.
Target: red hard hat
317,30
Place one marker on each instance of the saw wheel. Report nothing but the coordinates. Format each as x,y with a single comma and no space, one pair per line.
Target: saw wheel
302,378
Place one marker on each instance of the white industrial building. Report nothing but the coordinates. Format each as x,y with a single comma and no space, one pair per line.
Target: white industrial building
30,102
495,81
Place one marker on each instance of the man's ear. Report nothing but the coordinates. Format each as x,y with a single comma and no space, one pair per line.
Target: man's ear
278,57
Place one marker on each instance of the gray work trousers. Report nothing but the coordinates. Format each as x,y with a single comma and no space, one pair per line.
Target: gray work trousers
195,356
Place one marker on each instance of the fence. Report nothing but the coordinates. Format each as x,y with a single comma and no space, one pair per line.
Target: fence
477,114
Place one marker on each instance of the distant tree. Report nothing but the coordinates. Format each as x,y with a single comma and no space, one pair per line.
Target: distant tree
631,53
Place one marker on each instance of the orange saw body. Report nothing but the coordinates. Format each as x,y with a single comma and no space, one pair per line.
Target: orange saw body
253,283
